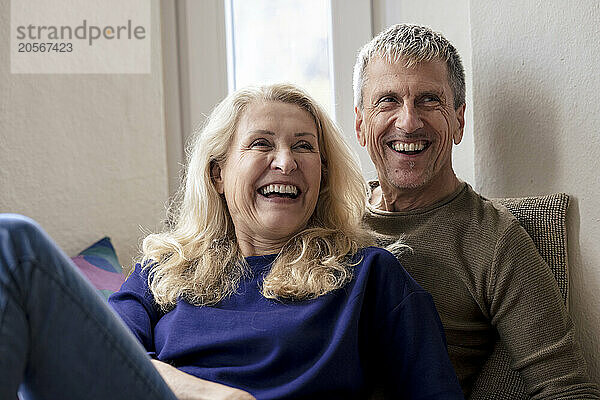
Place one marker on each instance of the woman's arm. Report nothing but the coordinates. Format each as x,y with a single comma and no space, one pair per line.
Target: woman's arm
188,387
135,305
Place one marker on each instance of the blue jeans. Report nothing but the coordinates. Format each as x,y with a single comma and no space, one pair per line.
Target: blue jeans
58,337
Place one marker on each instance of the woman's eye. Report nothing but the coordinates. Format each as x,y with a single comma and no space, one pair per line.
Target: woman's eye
304,146
260,144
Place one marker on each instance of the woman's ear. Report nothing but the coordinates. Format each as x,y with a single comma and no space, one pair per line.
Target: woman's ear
215,175
323,175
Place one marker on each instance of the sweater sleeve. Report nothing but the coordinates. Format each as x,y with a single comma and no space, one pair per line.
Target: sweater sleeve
528,311
410,337
418,347
135,305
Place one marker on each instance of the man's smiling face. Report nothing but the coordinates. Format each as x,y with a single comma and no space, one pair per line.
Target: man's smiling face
408,123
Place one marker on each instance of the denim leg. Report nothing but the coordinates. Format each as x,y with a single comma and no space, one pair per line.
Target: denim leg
58,337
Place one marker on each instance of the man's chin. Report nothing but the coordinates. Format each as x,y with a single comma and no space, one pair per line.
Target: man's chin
408,185
406,181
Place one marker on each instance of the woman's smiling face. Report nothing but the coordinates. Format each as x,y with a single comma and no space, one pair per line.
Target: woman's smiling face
271,176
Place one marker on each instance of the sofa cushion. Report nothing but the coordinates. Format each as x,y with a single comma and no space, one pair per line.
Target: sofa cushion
99,263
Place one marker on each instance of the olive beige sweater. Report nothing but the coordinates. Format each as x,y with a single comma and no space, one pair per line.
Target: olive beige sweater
488,281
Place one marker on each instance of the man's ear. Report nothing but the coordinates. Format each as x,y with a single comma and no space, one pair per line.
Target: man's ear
358,127
460,116
215,175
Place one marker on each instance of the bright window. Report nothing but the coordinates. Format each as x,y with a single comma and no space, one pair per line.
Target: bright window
280,41
214,46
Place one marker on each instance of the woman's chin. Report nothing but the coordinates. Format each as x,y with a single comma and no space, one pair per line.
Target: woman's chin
282,227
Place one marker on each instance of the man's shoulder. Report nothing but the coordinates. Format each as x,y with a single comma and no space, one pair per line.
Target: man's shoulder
488,210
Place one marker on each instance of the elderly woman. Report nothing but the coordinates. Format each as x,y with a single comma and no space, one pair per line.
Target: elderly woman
264,286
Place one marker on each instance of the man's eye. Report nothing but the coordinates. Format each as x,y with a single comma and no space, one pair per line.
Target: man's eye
428,99
387,99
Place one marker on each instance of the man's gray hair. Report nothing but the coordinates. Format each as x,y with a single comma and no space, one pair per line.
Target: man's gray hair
411,44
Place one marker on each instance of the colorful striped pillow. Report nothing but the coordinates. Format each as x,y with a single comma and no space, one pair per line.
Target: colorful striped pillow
99,263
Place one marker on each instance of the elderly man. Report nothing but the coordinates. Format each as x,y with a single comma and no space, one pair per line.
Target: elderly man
484,272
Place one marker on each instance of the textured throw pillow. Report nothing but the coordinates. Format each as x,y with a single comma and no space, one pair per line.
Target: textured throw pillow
100,265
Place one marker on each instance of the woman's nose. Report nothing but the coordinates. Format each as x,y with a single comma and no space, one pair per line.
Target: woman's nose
284,161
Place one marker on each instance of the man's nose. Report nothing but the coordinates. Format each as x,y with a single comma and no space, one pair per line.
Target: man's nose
408,119
284,161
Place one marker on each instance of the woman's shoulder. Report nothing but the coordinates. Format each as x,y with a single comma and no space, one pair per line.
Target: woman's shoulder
374,254
385,271
380,258
137,280
141,272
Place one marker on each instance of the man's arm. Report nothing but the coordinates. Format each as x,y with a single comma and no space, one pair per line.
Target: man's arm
528,311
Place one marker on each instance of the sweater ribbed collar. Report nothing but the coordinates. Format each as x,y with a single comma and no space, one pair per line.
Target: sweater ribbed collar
462,187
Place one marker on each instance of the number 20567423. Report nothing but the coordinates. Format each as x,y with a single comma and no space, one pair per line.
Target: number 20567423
34,47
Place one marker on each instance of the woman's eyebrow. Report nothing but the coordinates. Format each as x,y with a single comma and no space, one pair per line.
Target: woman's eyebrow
304,134
267,132
263,131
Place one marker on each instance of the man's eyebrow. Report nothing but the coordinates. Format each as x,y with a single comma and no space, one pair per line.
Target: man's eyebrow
424,91
384,92
436,92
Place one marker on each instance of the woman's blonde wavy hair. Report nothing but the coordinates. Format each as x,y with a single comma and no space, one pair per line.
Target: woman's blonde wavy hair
198,258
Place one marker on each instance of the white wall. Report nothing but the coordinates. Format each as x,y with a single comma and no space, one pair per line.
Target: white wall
451,18
536,118
84,154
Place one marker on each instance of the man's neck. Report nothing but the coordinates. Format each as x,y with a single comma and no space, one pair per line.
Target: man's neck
386,197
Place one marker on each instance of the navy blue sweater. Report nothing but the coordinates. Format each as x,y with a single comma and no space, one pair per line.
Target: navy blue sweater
380,329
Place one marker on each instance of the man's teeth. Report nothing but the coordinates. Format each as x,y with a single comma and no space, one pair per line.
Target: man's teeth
398,146
291,189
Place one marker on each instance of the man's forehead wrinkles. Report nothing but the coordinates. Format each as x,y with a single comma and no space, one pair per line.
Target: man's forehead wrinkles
408,91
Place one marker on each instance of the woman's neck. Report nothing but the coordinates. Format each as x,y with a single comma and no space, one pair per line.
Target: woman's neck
255,246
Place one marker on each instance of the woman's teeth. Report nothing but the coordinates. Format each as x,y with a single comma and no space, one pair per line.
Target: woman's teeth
275,189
